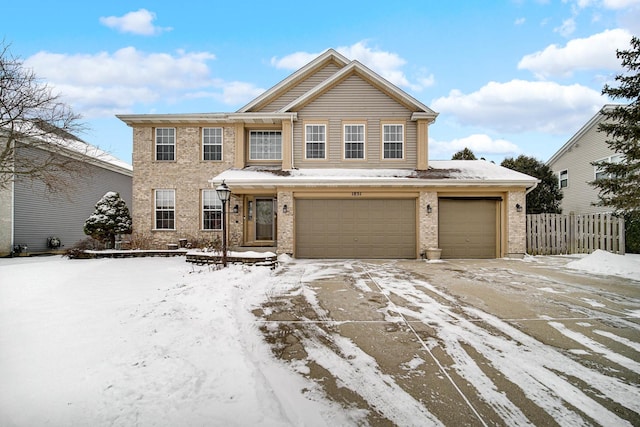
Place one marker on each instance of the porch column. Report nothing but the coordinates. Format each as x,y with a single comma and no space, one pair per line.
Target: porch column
238,161
287,145
423,145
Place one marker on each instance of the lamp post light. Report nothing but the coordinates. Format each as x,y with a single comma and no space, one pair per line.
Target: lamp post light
224,193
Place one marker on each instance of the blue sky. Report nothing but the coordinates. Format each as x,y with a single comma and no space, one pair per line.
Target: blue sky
507,77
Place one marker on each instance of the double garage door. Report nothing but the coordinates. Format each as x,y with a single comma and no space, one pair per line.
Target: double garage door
382,228
355,228
468,228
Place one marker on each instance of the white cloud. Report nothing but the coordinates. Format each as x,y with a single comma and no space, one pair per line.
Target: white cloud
567,28
595,52
480,144
234,93
101,84
522,106
387,64
138,22
519,21
620,4
294,61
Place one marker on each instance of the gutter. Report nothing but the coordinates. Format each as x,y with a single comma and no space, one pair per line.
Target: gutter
530,189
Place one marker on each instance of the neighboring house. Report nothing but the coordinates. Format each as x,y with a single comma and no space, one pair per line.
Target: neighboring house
30,215
332,162
572,165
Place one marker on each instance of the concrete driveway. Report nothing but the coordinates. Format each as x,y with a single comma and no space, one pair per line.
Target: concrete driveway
462,342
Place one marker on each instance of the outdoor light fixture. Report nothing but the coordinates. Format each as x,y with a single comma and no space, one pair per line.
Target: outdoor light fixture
235,209
224,193
518,207
429,209
284,209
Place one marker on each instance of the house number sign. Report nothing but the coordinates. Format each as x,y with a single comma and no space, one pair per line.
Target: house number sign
356,193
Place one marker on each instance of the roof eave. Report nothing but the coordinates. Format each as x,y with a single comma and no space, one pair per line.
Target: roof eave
379,81
265,118
328,55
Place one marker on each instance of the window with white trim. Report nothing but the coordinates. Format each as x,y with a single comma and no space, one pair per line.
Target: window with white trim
165,144
354,141
211,210
563,178
393,141
599,171
315,141
165,209
212,143
265,145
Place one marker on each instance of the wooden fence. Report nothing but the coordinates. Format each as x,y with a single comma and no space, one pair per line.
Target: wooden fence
555,234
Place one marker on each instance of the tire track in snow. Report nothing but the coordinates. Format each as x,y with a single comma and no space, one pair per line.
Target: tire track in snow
524,361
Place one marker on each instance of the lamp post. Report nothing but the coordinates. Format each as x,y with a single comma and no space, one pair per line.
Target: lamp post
224,193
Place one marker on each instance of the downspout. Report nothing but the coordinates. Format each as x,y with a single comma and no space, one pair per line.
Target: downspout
529,190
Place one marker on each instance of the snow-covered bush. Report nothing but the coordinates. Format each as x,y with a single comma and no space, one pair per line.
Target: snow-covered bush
110,218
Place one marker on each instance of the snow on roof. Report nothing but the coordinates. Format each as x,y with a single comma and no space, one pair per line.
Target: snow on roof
71,143
450,172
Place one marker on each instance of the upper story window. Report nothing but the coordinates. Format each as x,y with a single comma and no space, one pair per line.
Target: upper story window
599,171
563,178
393,141
212,143
265,145
315,141
165,209
165,144
211,210
354,141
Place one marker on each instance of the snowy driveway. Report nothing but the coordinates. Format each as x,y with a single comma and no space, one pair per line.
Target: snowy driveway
156,341
492,342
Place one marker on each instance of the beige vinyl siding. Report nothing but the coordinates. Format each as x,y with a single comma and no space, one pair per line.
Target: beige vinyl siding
343,102
300,89
579,195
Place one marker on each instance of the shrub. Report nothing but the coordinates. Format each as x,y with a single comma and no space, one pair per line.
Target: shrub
632,232
77,251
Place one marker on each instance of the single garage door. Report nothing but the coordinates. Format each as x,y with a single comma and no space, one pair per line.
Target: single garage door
355,228
467,228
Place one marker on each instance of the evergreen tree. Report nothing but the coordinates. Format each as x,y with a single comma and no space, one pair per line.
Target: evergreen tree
465,154
620,187
546,197
111,217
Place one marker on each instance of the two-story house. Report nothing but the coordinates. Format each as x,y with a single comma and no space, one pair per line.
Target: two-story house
572,164
332,162
34,219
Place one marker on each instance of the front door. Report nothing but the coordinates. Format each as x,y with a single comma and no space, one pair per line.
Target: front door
264,221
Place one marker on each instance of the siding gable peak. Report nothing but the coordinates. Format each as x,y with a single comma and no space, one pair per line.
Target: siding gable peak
594,121
356,68
329,56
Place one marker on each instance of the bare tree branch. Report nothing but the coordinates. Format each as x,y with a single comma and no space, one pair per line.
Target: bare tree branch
37,130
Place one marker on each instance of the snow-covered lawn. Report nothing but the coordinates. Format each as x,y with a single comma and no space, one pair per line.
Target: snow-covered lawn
145,341
157,341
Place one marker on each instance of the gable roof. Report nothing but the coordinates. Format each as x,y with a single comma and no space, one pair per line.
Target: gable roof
330,55
594,121
356,68
347,68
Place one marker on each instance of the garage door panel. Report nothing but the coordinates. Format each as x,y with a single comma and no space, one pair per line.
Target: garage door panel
362,228
467,228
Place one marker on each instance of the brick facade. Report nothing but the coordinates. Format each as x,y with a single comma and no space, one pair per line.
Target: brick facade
517,224
188,174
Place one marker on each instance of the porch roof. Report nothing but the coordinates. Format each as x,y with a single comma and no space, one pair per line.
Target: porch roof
449,173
